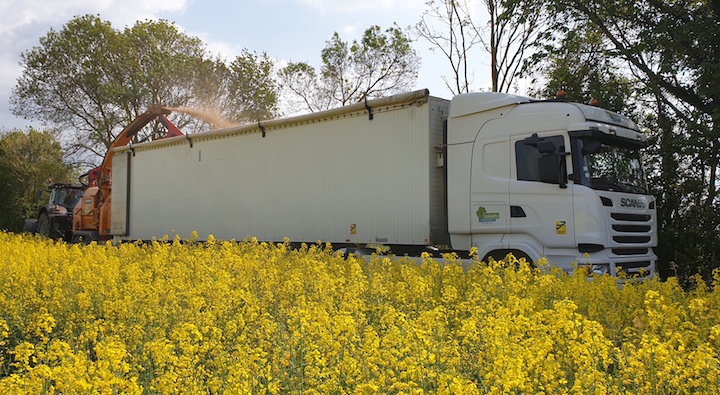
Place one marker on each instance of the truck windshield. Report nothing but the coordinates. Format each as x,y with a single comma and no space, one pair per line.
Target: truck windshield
610,167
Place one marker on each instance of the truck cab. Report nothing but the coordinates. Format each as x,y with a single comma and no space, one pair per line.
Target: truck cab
551,179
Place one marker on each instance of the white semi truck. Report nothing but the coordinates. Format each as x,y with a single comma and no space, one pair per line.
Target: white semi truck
494,171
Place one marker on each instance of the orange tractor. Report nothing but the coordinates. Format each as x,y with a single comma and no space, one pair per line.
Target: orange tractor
91,215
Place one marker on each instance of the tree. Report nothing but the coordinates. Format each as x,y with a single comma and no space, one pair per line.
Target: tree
379,64
301,82
252,89
27,160
71,80
512,29
159,64
672,50
90,81
459,34
674,46
243,91
689,242
582,67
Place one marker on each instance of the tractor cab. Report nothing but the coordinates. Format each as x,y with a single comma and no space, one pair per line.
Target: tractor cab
54,219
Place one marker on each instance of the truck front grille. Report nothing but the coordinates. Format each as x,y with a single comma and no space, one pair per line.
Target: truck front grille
630,217
631,239
626,266
634,268
631,230
630,251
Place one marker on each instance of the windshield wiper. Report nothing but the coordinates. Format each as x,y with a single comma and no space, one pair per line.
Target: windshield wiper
603,184
633,188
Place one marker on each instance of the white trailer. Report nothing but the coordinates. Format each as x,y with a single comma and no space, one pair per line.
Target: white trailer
336,176
498,172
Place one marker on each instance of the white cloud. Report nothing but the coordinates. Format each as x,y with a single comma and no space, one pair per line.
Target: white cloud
223,49
22,23
352,30
352,6
9,72
126,13
17,14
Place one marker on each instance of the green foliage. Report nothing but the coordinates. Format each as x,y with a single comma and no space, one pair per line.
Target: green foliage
582,67
379,64
300,80
252,89
689,223
90,81
159,64
27,160
71,79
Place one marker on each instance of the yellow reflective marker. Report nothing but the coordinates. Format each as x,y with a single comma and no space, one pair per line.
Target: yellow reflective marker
560,228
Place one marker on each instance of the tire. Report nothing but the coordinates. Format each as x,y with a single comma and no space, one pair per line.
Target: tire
499,255
43,225
31,226
83,239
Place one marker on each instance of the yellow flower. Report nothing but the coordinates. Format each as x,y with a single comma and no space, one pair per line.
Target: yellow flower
169,317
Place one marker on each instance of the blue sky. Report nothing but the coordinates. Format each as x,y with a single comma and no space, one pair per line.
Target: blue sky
287,30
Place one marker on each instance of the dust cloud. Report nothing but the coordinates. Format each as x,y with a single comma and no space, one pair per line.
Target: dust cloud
215,120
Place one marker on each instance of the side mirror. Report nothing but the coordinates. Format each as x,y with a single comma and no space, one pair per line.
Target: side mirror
532,140
546,147
551,166
38,194
591,148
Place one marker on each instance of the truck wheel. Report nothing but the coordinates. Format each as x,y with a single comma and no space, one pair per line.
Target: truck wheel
499,255
43,226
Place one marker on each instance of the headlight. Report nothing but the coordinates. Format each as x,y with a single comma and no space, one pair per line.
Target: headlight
599,269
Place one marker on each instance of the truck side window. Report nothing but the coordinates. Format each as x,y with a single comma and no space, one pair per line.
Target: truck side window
526,158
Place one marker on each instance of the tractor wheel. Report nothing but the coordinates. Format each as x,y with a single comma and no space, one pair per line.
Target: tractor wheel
30,226
43,226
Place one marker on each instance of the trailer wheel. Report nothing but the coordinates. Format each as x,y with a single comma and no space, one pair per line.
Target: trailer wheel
43,225
81,239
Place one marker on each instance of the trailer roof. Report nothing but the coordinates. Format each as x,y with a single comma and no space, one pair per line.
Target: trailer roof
366,108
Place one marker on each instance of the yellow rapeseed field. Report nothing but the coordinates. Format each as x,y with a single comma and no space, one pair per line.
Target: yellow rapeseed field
257,318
